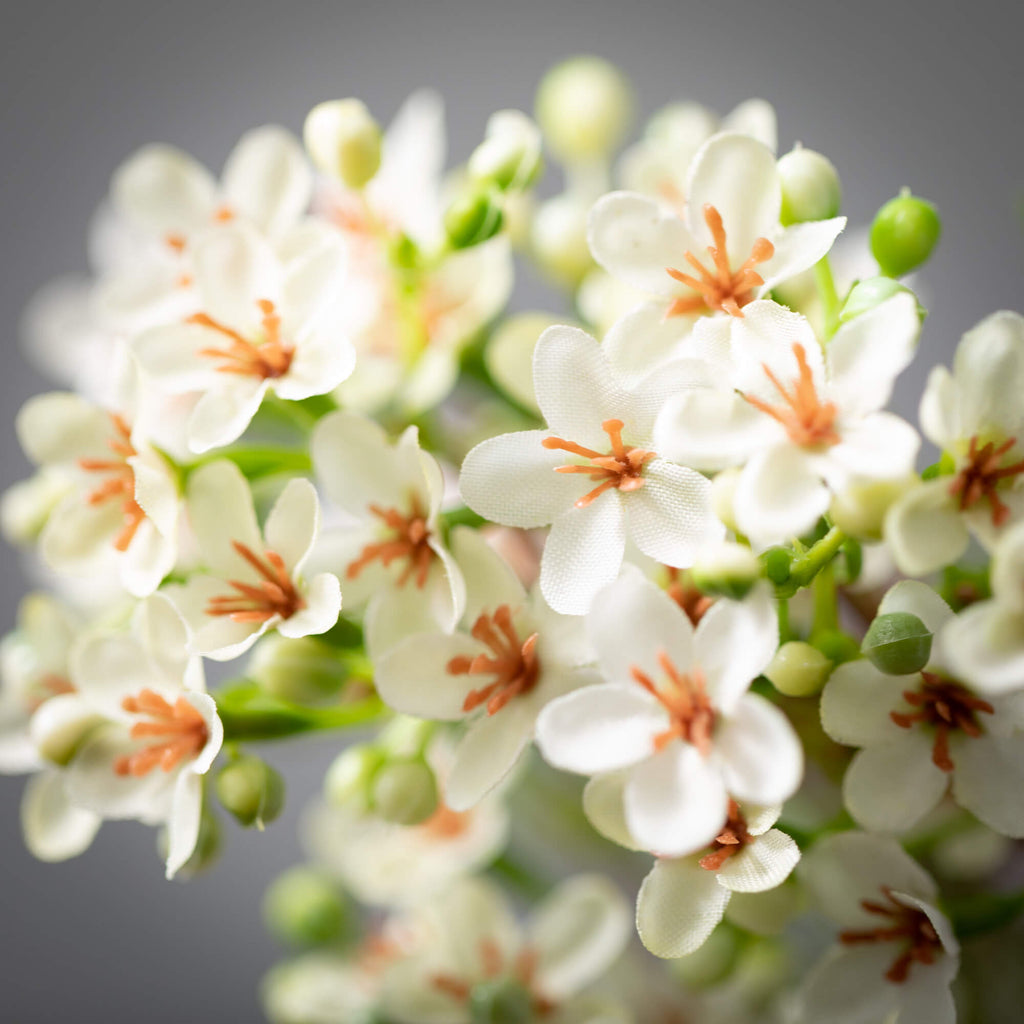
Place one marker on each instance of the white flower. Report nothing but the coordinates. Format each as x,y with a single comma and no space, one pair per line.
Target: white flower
392,550
599,479
806,428
160,731
509,657
567,944
897,954
254,582
124,497
975,415
921,735
265,325
727,250
675,712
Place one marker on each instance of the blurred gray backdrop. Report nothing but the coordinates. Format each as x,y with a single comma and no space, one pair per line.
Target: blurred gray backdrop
926,94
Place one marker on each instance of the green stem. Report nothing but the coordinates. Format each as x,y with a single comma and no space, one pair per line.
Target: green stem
785,631
257,461
827,292
826,610
294,412
260,717
805,567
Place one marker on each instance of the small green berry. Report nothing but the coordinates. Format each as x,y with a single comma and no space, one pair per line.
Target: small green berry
898,643
904,232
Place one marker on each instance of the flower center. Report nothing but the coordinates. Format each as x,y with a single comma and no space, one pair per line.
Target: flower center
512,662
523,969
908,926
181,730
621,468
275,594
687,596
808,421
120,481
685,698
981,476
733,837
409,537
445,823
268,358
719,288
47,686
947,706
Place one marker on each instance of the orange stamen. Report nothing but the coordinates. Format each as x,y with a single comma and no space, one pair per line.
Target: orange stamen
274,595
621,468
445,823
809,422
120,482
981,477
180,725
492,962
733,837
513,663
720,288
689,708
269,358
409,540
687,596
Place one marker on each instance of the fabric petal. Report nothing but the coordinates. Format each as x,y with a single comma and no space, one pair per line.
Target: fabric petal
678,907
222,415
925,530
293,523
761,865
644,339
604,803
183,823
919,599
323,605
988,781
164,191
54,829
984,645
798,248
221,510
857,701
709,429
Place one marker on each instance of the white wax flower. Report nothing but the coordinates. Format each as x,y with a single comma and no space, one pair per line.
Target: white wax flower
897,954
925,734
676,713
975,415
595,473
253,581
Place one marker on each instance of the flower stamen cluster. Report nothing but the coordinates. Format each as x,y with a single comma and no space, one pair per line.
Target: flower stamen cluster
121,481
733,838
274,595
181,726
686,700
980,478
409,540
523,970
266,360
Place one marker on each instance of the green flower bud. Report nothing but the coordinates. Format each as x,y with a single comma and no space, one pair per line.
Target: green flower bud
836,645
584,106
904,232
304,671
344,140
810,187
727,569
510,155
404,253
859,510
473,218
778,563
302,907
898,643
871,292
251,790
405,791
350,776
502,1001
798,669
558,239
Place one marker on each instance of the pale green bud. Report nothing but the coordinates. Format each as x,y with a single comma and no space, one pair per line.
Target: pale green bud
343,140
798,669
502,1001
727,569
559,239
405,791
584,107
509,158
251,790
305,670
904,233
859,510
897,643
349,778
723,493
810,187
302,907
473,218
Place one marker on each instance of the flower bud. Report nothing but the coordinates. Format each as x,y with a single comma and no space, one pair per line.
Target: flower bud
405,791
559,239
473,218
584,106
304,908
350,776
898,643
871,292
501,1001
344,140
304,670
859,509
836,645
728,569
251,790
798,669
723,493
59,726
904,232
810,186
510,155
778,564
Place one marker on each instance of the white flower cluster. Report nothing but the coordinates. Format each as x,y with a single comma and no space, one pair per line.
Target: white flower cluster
645,545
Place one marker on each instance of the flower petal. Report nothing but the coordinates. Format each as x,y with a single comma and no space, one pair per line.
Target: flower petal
323,605
183,822
293,523
709,429
222,415
761,865
221,510
925,530
489,580
53,827
678,907
62,427
984,645
856,703
919,599
989,779
604,803
798,248
164,191
644,339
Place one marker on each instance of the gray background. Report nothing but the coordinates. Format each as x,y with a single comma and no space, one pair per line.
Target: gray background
923,94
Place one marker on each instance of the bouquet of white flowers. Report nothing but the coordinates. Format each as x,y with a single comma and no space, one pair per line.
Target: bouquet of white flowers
652,543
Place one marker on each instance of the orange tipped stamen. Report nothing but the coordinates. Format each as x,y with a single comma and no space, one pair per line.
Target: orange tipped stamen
266,359
273,595
685,698
180,729
620,469
733,837
719,289
981,477
409,539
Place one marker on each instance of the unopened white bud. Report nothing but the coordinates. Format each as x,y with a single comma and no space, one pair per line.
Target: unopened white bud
350,776
343,140
723,492
405,792
509,157
810,186
559,239
729,569
859,510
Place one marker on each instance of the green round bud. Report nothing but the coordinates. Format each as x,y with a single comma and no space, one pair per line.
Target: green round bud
305,670
810,187
584,106
344,140
350,776
473,218
836,645
405,791
501,1001
898,643
798,669
728,569
510,155
302,907
778,563
904,232
558,239
404,253
251,791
